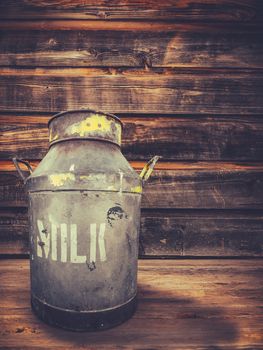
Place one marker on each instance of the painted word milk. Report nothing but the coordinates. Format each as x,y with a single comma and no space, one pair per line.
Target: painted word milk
47,242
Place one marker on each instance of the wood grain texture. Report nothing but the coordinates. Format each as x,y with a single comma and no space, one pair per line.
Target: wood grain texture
173,138
186,10
201,233
7,165
199,304
166,233
122,25
185,76
181,46
14,232
207,186
167,91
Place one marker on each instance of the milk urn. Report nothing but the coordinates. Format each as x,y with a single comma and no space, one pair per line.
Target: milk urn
84,217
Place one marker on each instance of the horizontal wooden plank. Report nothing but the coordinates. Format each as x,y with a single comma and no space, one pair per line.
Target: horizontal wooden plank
14,231
181,46
187,10
123,25
204,186
7,165
218,302
132,91
166,233
173,138
201,233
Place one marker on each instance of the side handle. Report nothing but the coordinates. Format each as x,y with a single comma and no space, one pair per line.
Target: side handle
148,168
16,162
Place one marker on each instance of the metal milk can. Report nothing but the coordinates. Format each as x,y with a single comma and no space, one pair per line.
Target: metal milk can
84,215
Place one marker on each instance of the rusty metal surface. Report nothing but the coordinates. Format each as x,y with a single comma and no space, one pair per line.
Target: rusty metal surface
84,224
85,247
85,164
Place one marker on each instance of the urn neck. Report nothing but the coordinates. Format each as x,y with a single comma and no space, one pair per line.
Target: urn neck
85,125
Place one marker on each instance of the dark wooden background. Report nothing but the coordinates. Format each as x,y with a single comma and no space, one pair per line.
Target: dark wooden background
185,77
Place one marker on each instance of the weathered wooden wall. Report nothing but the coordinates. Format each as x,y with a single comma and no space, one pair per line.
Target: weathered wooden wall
185,77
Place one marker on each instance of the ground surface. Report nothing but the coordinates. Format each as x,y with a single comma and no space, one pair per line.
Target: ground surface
189,304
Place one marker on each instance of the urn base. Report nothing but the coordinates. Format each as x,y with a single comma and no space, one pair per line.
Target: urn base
83,321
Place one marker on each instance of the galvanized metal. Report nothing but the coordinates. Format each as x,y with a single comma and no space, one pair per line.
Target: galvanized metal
84,211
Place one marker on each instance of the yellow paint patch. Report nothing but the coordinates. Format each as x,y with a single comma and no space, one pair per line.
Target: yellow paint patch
112,188
118,134
51,137
95,123
92,123
55,137
60,179
136,189
85,177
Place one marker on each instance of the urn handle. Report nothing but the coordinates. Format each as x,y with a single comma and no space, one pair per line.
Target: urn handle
148,168
16,162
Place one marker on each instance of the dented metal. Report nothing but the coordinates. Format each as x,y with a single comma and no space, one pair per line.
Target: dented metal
84,211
